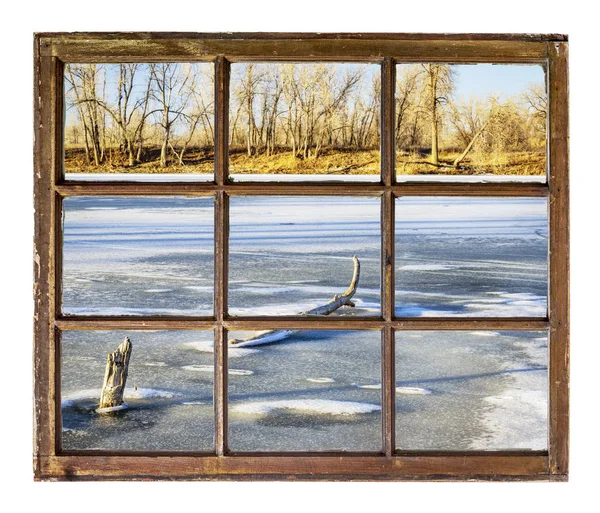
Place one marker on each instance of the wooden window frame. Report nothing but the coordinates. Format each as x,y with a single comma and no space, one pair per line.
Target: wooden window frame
53,50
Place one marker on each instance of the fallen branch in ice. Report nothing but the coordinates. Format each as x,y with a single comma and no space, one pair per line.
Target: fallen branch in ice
337,302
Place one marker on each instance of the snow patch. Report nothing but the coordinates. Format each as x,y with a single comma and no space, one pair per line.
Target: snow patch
400,390
427,267
318,406
412,391
131,393
321,380
208,346
211,369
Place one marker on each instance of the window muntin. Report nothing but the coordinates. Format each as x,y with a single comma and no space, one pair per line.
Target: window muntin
552,462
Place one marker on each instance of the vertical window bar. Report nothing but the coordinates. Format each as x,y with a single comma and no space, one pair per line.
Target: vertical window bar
221,253
559,257
388,79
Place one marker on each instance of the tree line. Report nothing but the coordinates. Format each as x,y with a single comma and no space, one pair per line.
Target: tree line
133,107
430,116
302,109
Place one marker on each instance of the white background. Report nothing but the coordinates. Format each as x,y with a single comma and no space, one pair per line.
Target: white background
21,19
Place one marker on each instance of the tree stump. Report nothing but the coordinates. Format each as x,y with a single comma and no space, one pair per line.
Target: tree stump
115,377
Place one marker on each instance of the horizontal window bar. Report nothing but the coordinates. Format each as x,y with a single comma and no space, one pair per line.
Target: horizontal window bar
300,189
119,48
398,467
307,323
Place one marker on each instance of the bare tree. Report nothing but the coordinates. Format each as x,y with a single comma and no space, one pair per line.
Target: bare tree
537,100
82,80
171,89
408,105
440,83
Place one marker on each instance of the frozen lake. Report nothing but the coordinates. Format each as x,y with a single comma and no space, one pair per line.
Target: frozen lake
318,390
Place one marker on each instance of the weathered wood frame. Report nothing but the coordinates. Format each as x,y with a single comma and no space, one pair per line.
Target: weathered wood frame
52,51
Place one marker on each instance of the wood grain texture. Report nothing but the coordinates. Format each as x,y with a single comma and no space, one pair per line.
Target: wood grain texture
559,257
315,467
310,323
273,47
43,291
409,36
67,189
388,379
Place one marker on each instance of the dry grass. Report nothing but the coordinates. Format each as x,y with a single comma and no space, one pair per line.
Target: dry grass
365,162
196,160
513,163
199,160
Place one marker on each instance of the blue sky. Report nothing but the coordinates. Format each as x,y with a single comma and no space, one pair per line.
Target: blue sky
503,79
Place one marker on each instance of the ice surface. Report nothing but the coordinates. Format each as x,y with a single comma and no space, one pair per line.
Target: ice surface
471,257
455,391
300,251
302,395
138,256
157,387
488,392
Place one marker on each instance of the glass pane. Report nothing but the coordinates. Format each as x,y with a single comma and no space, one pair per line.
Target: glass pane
304,121
139,121
471,390
305,391
290,255
168,391
138,256
471,256
477,122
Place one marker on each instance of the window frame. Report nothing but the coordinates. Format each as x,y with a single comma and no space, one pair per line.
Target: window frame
53,50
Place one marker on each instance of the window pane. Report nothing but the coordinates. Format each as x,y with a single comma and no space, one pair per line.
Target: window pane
138,256
471,390
168,391
471,256
311,391
476,122
290,255
304,121
139,121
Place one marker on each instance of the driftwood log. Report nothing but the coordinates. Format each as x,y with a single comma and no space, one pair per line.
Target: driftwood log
115,377
337,302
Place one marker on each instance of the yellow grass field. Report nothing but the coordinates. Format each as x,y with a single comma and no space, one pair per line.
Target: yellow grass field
329,162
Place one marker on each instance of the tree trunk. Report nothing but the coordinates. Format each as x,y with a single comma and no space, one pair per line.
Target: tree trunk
337,302
163,149
115,376
461,157
434,119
